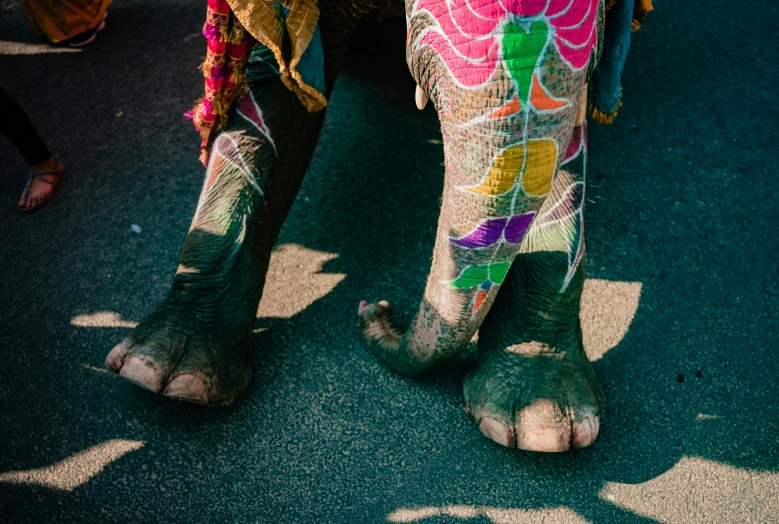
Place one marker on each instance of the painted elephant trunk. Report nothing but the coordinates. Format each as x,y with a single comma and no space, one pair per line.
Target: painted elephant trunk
507,80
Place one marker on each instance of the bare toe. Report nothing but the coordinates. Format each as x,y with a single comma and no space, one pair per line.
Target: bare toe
142,371
187,387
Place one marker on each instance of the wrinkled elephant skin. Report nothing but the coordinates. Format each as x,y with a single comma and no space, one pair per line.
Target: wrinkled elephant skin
507,80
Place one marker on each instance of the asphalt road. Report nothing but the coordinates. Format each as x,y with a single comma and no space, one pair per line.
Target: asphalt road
681,308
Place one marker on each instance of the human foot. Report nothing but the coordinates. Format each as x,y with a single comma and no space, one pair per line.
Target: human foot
536,397
41,183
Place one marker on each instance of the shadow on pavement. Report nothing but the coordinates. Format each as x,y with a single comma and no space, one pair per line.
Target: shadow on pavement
325,434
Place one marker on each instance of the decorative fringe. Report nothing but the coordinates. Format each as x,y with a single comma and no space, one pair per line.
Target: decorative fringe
223,70
600,116
640,11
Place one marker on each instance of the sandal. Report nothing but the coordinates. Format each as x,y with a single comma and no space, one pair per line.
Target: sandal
39,176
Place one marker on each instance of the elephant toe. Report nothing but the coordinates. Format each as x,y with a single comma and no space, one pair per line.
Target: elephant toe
142,371
187,387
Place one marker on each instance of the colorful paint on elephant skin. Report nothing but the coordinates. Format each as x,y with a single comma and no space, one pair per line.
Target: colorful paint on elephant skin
472,36
509,229
566,216
226,154
536,160
577,145
485,278
249,110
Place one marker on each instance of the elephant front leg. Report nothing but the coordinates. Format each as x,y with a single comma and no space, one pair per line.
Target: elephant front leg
195,346
533,387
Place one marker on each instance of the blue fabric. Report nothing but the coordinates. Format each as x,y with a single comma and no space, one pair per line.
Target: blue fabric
312,64
608,75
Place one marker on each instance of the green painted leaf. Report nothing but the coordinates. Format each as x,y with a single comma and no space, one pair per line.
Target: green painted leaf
521,52
498,271
472,276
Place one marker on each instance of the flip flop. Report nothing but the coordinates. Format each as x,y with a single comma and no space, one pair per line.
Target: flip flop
39,176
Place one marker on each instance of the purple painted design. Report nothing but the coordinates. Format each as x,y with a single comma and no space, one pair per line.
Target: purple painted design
484,235
517,227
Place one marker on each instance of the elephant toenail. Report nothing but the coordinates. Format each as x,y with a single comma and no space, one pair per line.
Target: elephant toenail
542,427
585,431
114,359
143,372
187,387
498,431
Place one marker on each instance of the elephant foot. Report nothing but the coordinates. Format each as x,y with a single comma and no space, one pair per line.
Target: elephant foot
535,397
183,359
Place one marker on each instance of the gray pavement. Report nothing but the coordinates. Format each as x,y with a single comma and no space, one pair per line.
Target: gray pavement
681,309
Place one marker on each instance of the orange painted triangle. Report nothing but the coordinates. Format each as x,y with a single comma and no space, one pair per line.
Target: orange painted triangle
541,99
509,109
480,296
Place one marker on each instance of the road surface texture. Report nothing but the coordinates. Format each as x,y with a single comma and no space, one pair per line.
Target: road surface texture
680,310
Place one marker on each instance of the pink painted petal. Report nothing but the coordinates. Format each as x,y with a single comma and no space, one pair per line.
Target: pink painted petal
574,145
524,7
557,7
456,20
488,9
471,25
576,57
579,32
575,15
247,105
468,72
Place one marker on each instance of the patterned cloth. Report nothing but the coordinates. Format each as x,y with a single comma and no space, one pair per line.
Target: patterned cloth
231,28
58,20
622,17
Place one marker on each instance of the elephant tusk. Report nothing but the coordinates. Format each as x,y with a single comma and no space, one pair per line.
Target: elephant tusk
420,98
582,113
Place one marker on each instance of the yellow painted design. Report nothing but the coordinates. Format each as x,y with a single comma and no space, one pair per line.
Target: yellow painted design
504,172
540,166
539,159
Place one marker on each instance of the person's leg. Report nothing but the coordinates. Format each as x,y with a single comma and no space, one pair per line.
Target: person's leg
17,127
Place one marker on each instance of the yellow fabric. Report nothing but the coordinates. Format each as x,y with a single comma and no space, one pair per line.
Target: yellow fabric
58,20
262,18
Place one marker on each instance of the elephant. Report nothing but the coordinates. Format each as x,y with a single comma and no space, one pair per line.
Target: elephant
508,80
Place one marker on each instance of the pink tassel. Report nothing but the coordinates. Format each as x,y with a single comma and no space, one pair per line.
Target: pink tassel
211,31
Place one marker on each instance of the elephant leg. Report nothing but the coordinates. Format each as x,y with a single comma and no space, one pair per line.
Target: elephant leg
507,84
195,346
533,387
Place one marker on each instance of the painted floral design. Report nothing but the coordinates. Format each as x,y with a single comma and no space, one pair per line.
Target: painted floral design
470,35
